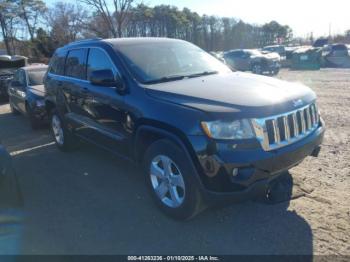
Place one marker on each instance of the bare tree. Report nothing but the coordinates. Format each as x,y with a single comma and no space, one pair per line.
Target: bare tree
30,11
67,22
115,19
7,14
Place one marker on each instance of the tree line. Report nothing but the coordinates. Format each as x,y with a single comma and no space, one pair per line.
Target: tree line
31,28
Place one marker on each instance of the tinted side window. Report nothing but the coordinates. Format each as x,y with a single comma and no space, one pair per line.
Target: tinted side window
16,76
57,63
236,54
22,77
76,64
99,60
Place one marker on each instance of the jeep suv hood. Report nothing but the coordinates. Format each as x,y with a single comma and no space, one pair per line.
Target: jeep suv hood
222,92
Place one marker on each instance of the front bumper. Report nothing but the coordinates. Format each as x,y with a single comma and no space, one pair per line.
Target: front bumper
256,167
3,88
273,66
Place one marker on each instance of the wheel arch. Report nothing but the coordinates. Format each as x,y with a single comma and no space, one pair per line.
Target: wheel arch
148,133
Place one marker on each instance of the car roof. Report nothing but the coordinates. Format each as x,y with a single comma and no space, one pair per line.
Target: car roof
115,42
140,40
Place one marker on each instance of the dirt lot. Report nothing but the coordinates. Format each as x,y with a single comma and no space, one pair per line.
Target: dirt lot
89,202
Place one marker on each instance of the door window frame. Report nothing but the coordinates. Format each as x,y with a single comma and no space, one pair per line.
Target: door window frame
86,50
116,70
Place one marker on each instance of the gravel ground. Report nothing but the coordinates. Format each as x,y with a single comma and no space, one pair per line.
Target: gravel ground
89,202
326,179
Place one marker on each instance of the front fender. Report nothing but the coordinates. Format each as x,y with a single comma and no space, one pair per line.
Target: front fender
179,139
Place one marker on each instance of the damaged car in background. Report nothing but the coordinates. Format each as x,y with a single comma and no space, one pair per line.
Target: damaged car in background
8,66
26,94
336,55
253,60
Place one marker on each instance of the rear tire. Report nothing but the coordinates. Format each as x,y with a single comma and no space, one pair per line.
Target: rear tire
64,139
275,72
170,176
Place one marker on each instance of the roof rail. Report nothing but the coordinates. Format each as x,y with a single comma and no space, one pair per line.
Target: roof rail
84,40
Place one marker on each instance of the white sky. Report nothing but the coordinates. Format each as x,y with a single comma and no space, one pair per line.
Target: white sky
303,16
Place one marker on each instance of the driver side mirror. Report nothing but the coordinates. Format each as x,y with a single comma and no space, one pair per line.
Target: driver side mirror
106,77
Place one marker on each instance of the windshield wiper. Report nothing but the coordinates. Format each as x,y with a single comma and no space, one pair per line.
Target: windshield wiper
165,79
179,77
205,73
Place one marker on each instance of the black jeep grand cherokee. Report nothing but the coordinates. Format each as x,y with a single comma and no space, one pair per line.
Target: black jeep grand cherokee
202,132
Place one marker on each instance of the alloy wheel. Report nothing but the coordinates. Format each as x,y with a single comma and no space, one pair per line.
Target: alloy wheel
167,181
57,130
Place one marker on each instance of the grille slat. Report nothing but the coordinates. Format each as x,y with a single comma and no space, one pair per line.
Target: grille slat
302,121
313,115
287,128
276,131
295,125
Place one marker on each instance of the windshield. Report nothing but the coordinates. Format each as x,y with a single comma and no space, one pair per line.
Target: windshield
36,77
169,61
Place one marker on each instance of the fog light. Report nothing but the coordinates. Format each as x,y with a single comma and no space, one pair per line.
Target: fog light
235,172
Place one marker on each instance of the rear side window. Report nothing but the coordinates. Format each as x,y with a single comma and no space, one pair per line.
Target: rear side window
57,63
76,64
340,48
99,60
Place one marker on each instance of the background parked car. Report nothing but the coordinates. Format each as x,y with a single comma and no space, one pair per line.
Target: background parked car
253,60
8,65
306,58
280,49
26,93
336,55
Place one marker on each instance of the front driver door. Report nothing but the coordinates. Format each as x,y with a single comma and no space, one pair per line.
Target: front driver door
105,107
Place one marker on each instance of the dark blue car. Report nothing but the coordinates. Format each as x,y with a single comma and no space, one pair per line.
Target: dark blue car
26,94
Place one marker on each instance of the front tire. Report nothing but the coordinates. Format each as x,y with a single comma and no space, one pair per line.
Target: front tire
170,176
13,110
257,69
64,139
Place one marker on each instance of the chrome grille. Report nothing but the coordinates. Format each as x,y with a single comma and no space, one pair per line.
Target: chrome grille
281,130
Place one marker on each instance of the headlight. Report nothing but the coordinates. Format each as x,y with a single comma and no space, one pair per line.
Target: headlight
238,129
